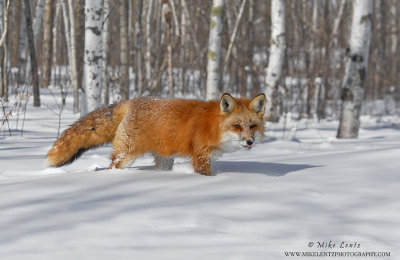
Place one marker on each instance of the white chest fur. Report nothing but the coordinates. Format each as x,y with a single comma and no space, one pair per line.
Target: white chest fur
230,142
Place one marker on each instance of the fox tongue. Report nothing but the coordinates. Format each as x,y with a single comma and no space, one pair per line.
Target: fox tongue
249,146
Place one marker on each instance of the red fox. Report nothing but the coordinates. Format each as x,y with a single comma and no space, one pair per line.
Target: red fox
165,128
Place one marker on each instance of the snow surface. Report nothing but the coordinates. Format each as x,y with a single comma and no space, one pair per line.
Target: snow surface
301,185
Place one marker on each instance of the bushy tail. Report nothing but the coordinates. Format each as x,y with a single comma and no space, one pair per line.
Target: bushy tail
94,130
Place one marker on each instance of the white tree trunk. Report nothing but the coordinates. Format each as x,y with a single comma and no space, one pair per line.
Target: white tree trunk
314,32
74,56
4,24
168,22
313,84
394,40
55,48
250,79
276,58
338,18
393,13
47,45
314,99
93,60
183,47
191,28
67,33
37,22
23,47
138,47
234,32
148,43
214,51
2,17
124,49
4,45
356,69
106,29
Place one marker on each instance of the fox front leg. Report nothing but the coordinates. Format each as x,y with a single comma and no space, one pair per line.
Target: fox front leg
202,165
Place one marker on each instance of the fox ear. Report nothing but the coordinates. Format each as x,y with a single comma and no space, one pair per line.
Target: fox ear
227,104
257,105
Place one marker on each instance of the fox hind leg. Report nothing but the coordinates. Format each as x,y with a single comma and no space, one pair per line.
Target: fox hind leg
163,163
121,160
125,151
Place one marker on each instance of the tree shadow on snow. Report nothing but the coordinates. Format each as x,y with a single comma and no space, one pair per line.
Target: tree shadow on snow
269,169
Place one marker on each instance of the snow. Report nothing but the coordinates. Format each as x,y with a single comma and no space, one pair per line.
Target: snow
298,186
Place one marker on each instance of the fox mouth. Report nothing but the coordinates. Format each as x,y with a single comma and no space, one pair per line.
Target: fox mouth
247,146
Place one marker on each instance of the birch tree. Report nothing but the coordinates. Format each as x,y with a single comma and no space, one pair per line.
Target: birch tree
66,22
67,30
2,27
183,47
214,51
138,47
167,16
73,56
148,42
14,43
3,44
191,28
124,54
70,36
106,36
356,69
276,58
37,23
233,35
338,19
250,48
394,40
93,59
56,72
313,84
47,42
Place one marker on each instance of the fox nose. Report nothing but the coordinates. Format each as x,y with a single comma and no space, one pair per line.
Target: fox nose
249,141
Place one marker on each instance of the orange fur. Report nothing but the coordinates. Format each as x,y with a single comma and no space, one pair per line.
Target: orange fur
163,127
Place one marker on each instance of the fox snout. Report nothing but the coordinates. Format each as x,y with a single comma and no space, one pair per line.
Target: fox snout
249,143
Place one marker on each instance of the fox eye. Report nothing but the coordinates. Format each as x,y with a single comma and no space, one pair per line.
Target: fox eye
236,126
252,126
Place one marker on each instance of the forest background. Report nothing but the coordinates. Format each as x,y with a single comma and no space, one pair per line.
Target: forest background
164,48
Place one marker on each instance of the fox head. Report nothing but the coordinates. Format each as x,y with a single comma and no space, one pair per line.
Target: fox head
243,123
